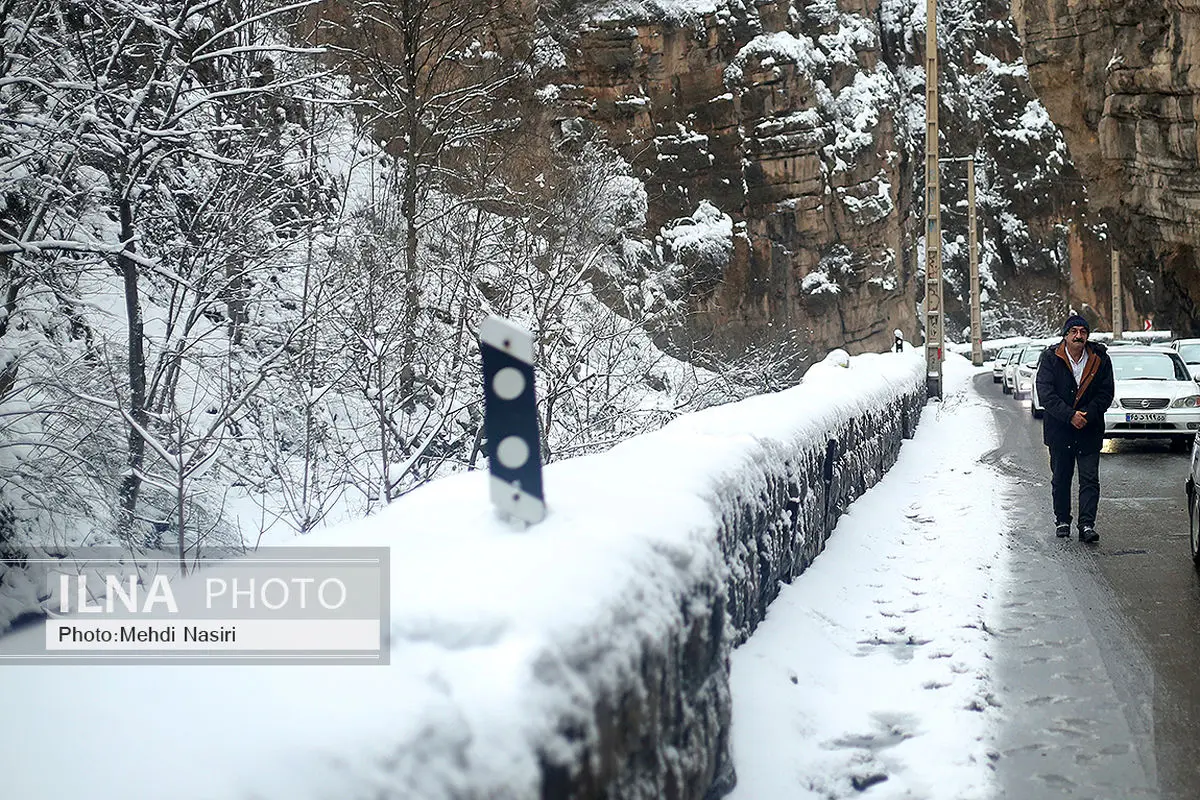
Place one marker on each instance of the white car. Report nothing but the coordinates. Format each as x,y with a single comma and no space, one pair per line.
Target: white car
998,363
1025,374
1189,351
1008,380
1035,404
1012,368
1024,368
1155,397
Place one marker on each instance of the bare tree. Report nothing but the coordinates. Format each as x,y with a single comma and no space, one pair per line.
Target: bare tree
432,81
157,106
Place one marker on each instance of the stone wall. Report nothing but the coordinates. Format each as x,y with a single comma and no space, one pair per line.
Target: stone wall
672,742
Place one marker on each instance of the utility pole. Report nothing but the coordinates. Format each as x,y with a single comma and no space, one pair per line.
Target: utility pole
934,333
973,239
1116,293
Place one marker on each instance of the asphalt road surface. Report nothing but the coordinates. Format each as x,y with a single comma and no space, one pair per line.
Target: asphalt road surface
1099,651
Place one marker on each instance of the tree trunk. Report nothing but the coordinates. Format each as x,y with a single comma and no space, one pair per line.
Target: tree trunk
132,482
384,453
8,371
180,498
408,208
236,298
412,283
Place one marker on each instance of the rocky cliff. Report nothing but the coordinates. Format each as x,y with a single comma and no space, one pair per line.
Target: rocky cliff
804,123
750,113
1119,79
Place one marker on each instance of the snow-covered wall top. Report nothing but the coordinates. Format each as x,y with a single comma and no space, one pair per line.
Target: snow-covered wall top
523,663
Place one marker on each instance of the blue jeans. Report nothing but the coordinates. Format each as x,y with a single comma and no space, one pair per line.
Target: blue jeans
1062,470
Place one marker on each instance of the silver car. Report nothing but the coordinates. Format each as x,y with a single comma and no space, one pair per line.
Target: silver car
1193,502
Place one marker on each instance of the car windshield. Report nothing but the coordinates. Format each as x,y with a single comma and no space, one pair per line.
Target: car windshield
1190,352
1030,356
1149,367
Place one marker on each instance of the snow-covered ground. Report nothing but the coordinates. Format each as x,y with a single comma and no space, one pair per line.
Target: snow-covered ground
873,668
873,664
497,634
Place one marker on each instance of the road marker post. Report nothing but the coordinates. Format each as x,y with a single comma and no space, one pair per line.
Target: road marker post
510,420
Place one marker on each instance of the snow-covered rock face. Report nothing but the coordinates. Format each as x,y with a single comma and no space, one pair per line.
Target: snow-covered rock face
1119,79
805,123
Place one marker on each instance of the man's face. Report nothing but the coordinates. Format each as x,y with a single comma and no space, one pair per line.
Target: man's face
1077,334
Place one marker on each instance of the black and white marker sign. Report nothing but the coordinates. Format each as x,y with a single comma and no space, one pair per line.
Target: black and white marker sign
510,420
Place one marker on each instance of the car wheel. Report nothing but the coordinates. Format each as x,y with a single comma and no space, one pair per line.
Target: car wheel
1037,412
1007,390
995,379
1193,524
1181,444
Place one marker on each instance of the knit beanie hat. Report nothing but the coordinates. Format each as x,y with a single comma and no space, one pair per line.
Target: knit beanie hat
1073,321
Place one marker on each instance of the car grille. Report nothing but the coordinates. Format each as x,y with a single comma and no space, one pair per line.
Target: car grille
1144,403
1142,426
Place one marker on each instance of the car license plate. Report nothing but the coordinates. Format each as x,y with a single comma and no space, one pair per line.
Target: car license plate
1145,417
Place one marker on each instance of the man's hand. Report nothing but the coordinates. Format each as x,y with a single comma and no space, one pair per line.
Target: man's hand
1079,420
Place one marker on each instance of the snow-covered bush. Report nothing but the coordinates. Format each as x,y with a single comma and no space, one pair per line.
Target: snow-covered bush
702,244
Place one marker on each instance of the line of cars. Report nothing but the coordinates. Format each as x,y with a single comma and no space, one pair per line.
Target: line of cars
1157,395
1015,368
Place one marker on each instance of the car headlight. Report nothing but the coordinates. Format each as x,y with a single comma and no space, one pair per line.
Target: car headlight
1191,401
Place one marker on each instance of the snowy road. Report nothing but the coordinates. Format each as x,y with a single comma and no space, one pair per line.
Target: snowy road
944,646
1126,614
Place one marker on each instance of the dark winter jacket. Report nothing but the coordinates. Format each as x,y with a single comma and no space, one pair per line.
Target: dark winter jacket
1061,398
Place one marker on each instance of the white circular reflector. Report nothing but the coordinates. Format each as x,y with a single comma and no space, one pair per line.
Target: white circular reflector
508,383
512,451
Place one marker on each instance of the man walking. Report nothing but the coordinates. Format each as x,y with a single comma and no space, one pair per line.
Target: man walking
1075,385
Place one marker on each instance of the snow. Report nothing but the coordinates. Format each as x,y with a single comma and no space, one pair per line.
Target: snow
995,66
858,106
853,35
1033,126
707,234
990,346
679,11
875,202
818,282
874,661
799,50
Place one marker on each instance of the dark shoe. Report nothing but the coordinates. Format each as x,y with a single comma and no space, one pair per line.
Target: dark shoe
1063,530
1088,535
